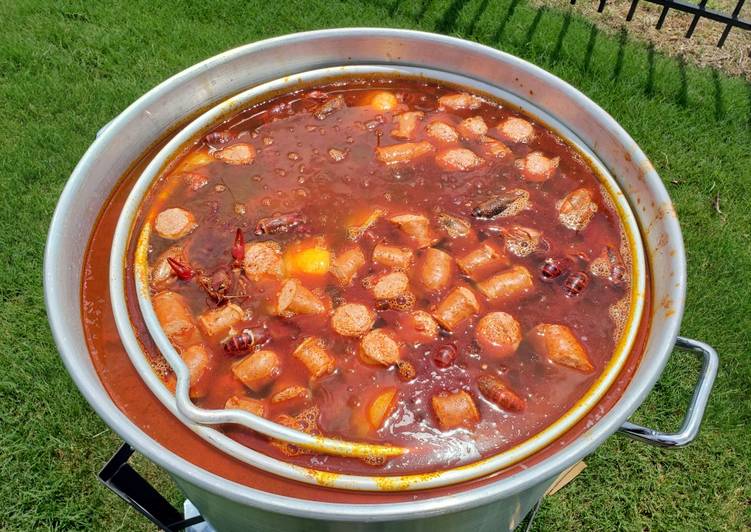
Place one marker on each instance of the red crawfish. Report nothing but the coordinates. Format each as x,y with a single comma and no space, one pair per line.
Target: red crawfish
238,248
246,340
282,223
575,284
183,272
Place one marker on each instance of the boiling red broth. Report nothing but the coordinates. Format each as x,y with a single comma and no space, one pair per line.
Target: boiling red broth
294,171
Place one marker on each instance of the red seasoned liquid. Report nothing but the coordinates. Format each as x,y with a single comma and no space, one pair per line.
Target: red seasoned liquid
295,171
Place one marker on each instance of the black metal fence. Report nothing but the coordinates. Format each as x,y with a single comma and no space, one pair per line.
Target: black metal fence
699,11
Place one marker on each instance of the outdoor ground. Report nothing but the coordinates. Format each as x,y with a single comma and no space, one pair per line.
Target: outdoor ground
66,68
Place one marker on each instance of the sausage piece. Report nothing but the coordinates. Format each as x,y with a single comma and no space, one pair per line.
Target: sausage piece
494,148
352,319
455,410
161,273
498,334
486,257
436,269
472,128
454,226
293,396
346,265
239,154
312,352
537,167
219,320
254,406
418,326
174,223
460,101
403,153
442,133
458,160
576,209
507,285
294,298
495,391
460,304
558,343
176,319
515,129
406,124
197,358
389,285
379,347
258,370
263,258
394,257
416,226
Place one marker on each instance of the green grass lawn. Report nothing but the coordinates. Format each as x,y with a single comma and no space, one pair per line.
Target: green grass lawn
66,68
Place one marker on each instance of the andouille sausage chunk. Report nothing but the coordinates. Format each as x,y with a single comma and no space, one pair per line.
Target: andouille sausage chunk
472,128
258,370
494,148
176,319
459,305
522,241
352,319
442,133
576,209
389,285
174,223
454,410
403,153
380,347
517,130
219,320
394,257
485,258
406,124
239,154
559,344
161,273
495,391
454,226
294,298
499,334
507,285
346,265
458,160
312,352
460,101
537,167
416,226
254,406
290,397
197,358
436,269
263,259
418,326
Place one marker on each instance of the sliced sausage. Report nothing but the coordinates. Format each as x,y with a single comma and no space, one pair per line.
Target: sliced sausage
346,264
176,319
498,334
458,160
418,326
507,285
161,273
197,358
558,344
352,319
485,258
293,396
459,305
495,391
537,167
406,124
312,352
454,410
294,298
460,101
174,223
515,129
472,128
576,209
416,226
494,148
454,226
394,257
254,406
442,133
389,285
263,259
239,154
379,347
522,241
403,153
436,269
219,320
258,370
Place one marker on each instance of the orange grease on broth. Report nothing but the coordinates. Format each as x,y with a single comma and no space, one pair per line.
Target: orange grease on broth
131,395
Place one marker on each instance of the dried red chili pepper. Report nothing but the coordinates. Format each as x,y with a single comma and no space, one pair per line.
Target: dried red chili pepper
184,273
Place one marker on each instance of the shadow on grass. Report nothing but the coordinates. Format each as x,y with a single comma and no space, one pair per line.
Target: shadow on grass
478,15
556,55
497,36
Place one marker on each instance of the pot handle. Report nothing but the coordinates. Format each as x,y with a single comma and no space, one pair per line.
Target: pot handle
695,412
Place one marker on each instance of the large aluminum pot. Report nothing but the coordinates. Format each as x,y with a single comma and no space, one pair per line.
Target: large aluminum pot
500,504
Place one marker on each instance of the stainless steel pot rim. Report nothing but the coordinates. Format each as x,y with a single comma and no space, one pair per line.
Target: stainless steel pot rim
470,498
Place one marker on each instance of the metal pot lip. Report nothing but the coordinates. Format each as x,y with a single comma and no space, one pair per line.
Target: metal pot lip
178,466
